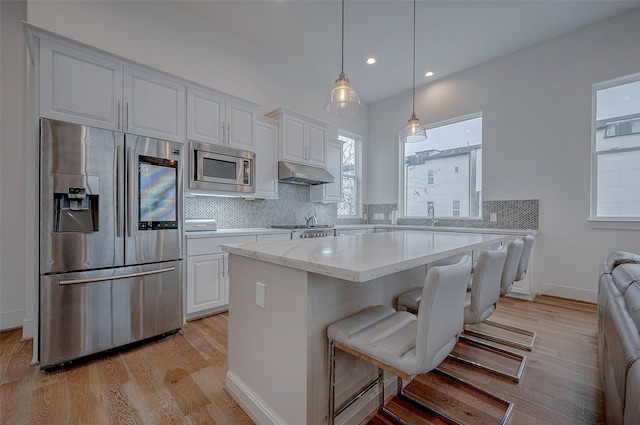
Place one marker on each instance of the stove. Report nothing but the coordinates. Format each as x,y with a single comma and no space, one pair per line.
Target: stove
304,231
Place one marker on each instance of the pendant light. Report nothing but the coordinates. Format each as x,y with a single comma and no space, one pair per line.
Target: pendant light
342,100
414,132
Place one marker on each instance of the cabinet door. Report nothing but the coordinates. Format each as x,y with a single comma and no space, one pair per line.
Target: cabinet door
79,87
293,139
207,282
330,192
266,160
316,146
205,116
333,191
240,122
154,105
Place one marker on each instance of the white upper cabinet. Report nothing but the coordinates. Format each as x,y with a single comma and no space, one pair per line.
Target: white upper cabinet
316,150
79,86
266,158
154,105
330,192
215,118
302,139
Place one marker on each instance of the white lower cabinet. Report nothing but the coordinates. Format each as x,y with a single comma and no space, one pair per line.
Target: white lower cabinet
207,282
207,274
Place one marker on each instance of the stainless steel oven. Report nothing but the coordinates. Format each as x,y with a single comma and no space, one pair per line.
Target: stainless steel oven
221,168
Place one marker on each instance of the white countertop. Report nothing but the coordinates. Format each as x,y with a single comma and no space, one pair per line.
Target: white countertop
359,258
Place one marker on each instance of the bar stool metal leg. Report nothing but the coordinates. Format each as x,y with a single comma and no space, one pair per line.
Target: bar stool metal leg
332,382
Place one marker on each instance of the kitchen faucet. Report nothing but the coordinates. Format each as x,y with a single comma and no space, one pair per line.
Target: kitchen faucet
431,211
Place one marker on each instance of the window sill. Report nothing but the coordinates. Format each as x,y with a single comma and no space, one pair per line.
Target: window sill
614,224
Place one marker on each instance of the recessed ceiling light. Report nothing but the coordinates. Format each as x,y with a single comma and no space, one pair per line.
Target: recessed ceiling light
429,74
371,61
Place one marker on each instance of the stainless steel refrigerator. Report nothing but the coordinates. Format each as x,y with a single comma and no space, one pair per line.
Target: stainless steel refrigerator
110,240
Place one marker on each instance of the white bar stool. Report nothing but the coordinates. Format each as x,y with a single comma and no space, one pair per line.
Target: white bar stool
518,254
401,343
481,302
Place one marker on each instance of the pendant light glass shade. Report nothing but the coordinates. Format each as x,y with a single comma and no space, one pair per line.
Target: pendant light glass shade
414,132
342,99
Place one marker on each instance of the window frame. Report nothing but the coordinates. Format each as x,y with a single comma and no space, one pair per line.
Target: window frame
401,171
596,221
357,174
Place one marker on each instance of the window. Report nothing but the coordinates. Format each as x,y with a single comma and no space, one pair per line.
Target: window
616,150
350,206
456,208
445,170
429,176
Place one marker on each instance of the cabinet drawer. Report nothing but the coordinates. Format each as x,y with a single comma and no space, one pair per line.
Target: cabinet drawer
212,245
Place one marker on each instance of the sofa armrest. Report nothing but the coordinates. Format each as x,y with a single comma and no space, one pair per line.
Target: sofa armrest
616,258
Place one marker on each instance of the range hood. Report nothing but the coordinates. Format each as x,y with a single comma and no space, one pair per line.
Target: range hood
290,172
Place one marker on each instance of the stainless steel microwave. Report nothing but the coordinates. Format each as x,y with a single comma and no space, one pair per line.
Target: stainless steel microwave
221,168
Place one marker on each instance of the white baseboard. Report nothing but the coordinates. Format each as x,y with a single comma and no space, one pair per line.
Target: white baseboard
11,319
521,296
250,402
577,294
360,410
260,413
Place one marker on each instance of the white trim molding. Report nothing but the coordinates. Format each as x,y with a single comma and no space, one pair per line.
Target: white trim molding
561,291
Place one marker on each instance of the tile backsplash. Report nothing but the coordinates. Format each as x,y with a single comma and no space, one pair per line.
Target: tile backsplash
233,213
294,206
512,214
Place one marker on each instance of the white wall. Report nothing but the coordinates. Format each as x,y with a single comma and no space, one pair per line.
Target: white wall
536,107
12,164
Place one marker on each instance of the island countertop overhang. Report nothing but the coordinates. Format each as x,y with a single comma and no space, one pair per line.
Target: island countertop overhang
360,258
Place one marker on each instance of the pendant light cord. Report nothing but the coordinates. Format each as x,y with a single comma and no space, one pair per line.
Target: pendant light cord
413,81
342,41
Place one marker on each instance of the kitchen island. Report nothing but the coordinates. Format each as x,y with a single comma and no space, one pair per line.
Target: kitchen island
284,294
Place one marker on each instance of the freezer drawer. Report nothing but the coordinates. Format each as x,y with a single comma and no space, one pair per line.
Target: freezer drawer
88,312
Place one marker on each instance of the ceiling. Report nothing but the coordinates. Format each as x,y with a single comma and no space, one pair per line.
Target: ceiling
451,35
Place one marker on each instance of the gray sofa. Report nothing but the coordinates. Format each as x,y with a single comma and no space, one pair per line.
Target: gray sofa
619,337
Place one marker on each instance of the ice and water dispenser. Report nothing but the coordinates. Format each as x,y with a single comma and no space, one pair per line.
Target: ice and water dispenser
76,203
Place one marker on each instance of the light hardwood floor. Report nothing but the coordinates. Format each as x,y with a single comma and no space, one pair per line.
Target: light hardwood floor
179,379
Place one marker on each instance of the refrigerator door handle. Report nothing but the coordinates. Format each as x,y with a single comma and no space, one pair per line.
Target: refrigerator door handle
119,182
122,276
129,189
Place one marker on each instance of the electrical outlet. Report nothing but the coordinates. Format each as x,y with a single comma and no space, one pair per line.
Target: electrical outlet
261,293
493,216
